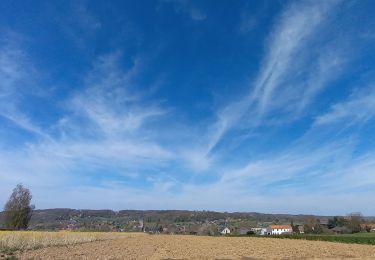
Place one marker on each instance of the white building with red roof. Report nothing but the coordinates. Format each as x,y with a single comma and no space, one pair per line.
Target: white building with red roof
279,229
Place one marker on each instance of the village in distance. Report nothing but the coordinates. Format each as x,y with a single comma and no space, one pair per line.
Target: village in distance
174,221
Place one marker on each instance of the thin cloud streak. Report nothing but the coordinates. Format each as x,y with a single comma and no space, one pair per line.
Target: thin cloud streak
103,127
289,39
107,101
186,7
359,107
16,72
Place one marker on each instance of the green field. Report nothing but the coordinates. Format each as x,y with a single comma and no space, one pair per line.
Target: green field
357,238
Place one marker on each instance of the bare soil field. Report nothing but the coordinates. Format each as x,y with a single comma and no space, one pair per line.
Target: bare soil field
145,246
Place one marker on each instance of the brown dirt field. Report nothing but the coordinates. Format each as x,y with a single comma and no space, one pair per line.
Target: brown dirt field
144,246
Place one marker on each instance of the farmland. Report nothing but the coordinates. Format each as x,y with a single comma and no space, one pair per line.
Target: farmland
356,238
17,241
72,245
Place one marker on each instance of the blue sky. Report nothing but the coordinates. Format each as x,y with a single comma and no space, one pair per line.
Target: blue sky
262,106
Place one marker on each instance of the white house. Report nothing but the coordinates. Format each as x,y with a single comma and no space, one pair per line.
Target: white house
225,231
279,230
259,231
301,229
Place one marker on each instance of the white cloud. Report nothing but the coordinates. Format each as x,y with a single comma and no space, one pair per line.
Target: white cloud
17,80
321,175
291,164
81,23
107,101
107,122
359,107
104,125
290,36
277,88
196,14
186,7
110,129
197,159
23,122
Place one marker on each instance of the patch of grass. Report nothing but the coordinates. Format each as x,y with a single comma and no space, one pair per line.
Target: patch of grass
358,238
11,258
362,234
7,253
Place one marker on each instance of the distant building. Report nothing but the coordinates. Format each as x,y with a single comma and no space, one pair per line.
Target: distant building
323,223
369,226
340,230
243,231
141,224
224,231
301,229
279,229
259,231
181,229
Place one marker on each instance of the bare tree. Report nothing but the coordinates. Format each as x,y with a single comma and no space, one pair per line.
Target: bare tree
354,222
18,210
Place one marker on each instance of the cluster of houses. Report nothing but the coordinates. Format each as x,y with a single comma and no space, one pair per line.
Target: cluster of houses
368,227
270,230
207,227
287,229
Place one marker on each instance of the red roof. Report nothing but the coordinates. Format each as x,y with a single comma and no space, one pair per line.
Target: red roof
368,225
281,227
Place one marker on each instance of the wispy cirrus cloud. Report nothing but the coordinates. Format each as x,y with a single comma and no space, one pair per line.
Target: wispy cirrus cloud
111,140
104,124
109,119
18,79
279,84
107,101
187,8
81,23
288,80
290,38
303,169
359,107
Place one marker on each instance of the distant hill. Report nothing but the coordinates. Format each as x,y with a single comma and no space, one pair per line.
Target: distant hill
61,218
175,221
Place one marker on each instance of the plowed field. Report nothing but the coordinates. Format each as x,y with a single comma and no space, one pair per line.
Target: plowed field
144,246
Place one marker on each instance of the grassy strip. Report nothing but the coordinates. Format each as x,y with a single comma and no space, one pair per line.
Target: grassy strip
350,239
